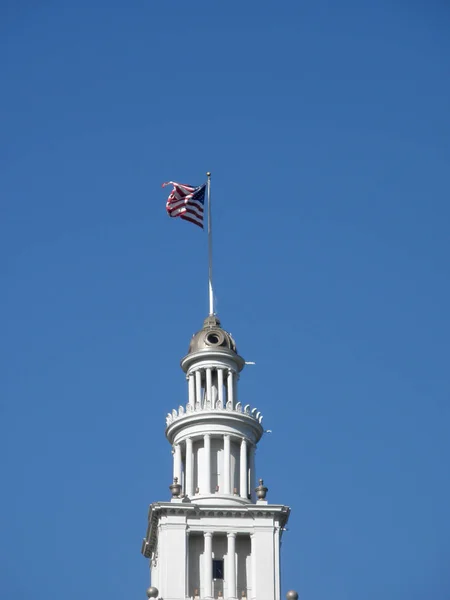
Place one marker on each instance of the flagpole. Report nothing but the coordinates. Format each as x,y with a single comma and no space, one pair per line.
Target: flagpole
210,285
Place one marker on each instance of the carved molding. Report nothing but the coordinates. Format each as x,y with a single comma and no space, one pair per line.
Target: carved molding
216,406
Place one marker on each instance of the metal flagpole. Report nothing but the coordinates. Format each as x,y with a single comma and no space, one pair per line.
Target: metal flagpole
210,285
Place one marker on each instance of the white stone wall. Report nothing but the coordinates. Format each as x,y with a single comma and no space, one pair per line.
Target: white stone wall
172,553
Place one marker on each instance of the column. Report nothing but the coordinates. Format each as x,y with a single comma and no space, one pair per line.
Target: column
209,384
277,562
207,565
198,386
187,582
253,563
220,385
235,387
177,462
207,465
230,388
243,487
251,478
157,575
226,464
231,576
189,475
191,390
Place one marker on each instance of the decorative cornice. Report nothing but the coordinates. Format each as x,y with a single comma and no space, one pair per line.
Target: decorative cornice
163,509
222,356
218,408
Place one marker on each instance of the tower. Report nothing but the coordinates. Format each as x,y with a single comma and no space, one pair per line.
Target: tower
217,536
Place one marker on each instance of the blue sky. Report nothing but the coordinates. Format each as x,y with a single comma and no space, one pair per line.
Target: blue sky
326,127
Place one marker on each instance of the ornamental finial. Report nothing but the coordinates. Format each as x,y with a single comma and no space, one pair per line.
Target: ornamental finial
261,490
175,488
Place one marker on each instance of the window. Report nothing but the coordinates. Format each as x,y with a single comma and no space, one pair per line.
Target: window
217,569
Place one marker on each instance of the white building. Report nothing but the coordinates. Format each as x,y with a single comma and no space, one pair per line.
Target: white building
217,536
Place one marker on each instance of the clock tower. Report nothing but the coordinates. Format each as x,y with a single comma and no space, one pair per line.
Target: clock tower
217,536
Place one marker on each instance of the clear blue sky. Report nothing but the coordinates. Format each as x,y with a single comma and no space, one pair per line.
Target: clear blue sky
326,127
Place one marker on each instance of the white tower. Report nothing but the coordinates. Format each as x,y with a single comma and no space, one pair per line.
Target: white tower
218,536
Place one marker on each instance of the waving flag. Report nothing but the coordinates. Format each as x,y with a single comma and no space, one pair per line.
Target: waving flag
186,202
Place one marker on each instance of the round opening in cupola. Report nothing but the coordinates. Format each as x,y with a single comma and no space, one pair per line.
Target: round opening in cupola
214,338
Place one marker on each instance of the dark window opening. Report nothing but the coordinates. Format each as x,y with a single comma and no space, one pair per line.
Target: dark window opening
217,569
213,338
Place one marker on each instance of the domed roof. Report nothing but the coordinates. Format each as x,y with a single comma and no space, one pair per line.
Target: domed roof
212,337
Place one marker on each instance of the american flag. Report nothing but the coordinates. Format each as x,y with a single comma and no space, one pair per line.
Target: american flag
186,202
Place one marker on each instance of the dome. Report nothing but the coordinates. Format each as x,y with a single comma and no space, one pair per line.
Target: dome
212,337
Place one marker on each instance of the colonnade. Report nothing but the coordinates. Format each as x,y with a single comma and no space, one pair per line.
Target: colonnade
230,567
246,466
217,384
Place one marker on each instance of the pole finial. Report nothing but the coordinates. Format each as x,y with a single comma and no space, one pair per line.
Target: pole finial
208,174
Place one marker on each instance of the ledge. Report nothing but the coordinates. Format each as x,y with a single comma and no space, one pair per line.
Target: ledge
191,509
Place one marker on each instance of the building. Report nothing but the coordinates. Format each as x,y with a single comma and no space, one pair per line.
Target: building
218,536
